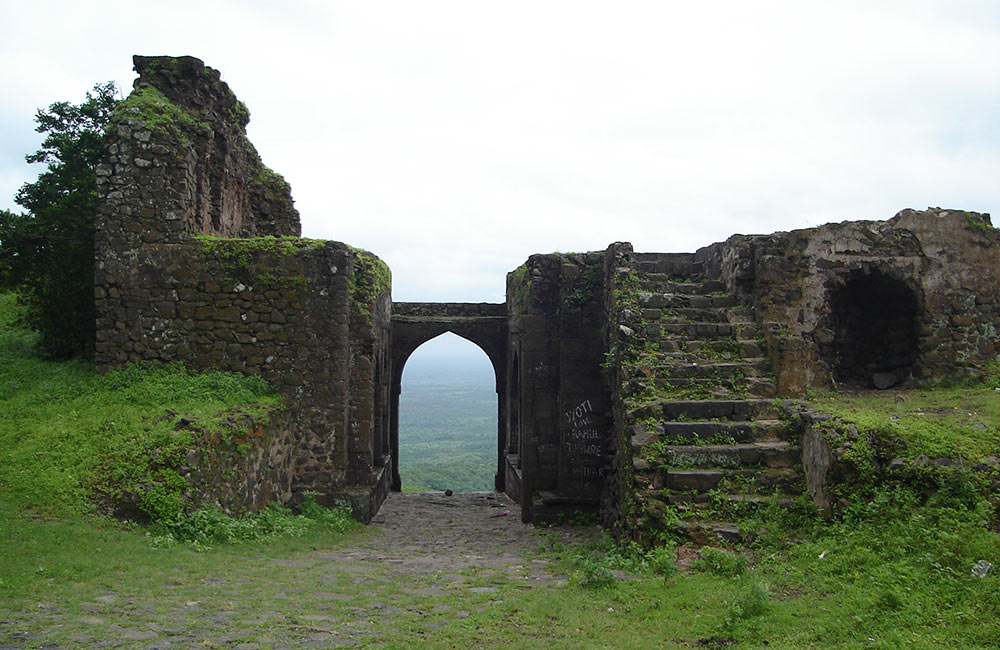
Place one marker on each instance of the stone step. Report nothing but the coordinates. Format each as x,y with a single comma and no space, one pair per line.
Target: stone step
772,454
659,316
744,348
761,387
703,533
703,501
653,300
663,283
752,348
747,330
722,431
712,330
691,315
710,389
740,315
675,371
699,330
703,410
705,480
674,265
666,379
667,359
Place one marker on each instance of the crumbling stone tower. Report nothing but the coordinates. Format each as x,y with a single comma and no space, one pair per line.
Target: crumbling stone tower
198,260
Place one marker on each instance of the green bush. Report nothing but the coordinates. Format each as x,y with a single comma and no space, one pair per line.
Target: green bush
596,574
661,561
337,520
208,526
720,562
752,599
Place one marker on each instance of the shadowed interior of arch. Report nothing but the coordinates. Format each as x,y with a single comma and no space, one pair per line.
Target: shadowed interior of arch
875,330
448,418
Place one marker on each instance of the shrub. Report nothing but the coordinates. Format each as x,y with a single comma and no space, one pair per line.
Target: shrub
596,574
720,562
751,600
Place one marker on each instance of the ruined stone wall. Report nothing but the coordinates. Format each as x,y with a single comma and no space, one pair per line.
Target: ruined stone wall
559,415
178,162
617,497
369,463
947,260
283,310
197,260
244,463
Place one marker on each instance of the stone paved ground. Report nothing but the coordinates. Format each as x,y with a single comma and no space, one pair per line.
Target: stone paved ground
428,561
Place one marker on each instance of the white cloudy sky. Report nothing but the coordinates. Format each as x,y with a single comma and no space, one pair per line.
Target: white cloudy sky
456,138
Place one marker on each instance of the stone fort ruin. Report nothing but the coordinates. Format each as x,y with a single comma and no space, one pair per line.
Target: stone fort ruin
597,355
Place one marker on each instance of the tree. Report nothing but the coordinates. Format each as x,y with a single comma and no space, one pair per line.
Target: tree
47,254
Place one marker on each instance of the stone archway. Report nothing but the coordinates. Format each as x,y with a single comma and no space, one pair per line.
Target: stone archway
875,323
483,324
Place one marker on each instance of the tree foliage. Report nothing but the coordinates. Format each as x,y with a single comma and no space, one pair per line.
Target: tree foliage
47,253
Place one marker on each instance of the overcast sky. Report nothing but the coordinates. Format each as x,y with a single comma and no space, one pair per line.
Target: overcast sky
454,139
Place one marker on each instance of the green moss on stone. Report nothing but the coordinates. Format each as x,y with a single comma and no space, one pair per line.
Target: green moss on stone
520,279
237,254
979,223
239,113
371,279
584,292
151,107
272,186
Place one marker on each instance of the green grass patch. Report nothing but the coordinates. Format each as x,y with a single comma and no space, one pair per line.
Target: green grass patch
938,422
71,439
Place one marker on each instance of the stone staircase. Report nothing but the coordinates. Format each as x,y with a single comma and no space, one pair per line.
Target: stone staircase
705,437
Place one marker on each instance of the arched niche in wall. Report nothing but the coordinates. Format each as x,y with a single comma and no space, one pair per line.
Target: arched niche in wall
875,321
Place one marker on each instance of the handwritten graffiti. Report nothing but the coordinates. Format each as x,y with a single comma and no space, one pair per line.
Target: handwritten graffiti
585,434
588,473
573,416
582,449
583,445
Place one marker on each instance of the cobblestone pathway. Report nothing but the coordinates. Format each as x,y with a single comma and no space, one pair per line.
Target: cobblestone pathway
426,562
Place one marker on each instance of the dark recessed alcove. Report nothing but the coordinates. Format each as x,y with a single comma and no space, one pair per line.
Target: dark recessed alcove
874,318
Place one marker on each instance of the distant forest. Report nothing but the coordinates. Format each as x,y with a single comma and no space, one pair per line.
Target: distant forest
448,423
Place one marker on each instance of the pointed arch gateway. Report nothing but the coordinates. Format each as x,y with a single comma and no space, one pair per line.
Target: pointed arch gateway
483,324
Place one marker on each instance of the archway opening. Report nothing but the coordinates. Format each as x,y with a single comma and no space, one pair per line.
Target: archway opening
876,330
448,418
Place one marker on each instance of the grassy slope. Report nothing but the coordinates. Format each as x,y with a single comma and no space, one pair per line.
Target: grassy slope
69,436
939,422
